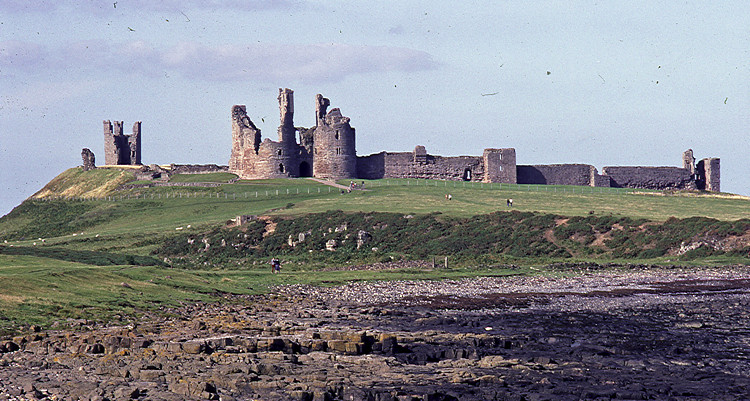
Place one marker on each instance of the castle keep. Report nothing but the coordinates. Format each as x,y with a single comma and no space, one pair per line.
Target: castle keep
328,151
120,148
325,151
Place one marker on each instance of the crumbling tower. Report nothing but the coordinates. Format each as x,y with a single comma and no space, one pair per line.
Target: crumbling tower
134,142
245,136
499,165
688,161
708,174
120,149
287,154
334,154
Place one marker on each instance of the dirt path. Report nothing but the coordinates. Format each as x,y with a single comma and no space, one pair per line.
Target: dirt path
332,184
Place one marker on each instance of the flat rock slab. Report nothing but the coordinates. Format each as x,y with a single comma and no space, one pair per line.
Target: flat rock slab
661,334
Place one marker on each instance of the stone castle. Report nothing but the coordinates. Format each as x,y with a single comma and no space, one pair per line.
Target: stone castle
324,151
328,151
120,148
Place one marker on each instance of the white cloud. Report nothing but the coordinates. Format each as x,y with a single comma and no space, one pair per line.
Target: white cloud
32,97
17,54
192,60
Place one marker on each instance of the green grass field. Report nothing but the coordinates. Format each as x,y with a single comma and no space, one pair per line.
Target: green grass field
109,223
207,177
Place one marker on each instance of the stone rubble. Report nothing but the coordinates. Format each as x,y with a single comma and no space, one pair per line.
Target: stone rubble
678,334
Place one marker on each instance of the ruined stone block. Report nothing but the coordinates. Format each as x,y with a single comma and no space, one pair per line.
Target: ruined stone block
708,176
500,165
89,160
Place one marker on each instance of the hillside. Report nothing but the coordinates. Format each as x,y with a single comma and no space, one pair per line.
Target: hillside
85,236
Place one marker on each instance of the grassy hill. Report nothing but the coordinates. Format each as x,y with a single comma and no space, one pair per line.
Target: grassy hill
83,247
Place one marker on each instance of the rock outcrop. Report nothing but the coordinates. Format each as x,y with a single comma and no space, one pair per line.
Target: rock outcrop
631,335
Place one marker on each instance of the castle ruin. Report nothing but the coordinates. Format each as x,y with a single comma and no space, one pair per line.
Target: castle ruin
325,151
119,148
328,151
89,160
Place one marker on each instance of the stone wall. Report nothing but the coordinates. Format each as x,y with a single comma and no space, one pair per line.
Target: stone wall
89,160
334,145
371,167
664,178
598,180
328,151
420,165
500,165
708,175
557,174
688,161
120,149
197,168
245,135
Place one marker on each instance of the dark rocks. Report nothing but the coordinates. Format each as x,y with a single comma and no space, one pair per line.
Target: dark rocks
674,336
9,346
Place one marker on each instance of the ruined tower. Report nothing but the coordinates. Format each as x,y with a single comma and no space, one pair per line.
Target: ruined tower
89,160
253,158
286,155
121,149
499,165
688,161
245,136
708,177
334,154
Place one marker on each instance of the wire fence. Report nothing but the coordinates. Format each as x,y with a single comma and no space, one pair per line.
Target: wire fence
571,189
304,190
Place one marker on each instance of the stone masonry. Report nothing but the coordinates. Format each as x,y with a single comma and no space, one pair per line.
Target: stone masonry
328,151
708,177
121,149
89,161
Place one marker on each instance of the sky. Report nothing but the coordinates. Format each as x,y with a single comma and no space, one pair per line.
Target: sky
597,82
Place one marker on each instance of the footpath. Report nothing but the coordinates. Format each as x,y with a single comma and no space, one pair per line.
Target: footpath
332,184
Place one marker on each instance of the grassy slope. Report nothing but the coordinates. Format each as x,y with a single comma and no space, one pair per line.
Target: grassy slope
75,182
207,177
39,290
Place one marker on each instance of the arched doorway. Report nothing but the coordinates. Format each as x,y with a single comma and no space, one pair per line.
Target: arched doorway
467,174
305,170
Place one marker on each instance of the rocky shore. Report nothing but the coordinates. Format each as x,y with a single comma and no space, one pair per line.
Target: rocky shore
635,334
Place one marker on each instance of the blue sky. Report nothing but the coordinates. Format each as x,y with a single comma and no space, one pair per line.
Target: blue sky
597,82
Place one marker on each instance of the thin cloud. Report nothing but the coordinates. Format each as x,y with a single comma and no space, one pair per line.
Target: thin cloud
254,62
99,6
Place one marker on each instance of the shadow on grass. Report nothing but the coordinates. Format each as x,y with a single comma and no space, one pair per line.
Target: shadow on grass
85,257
